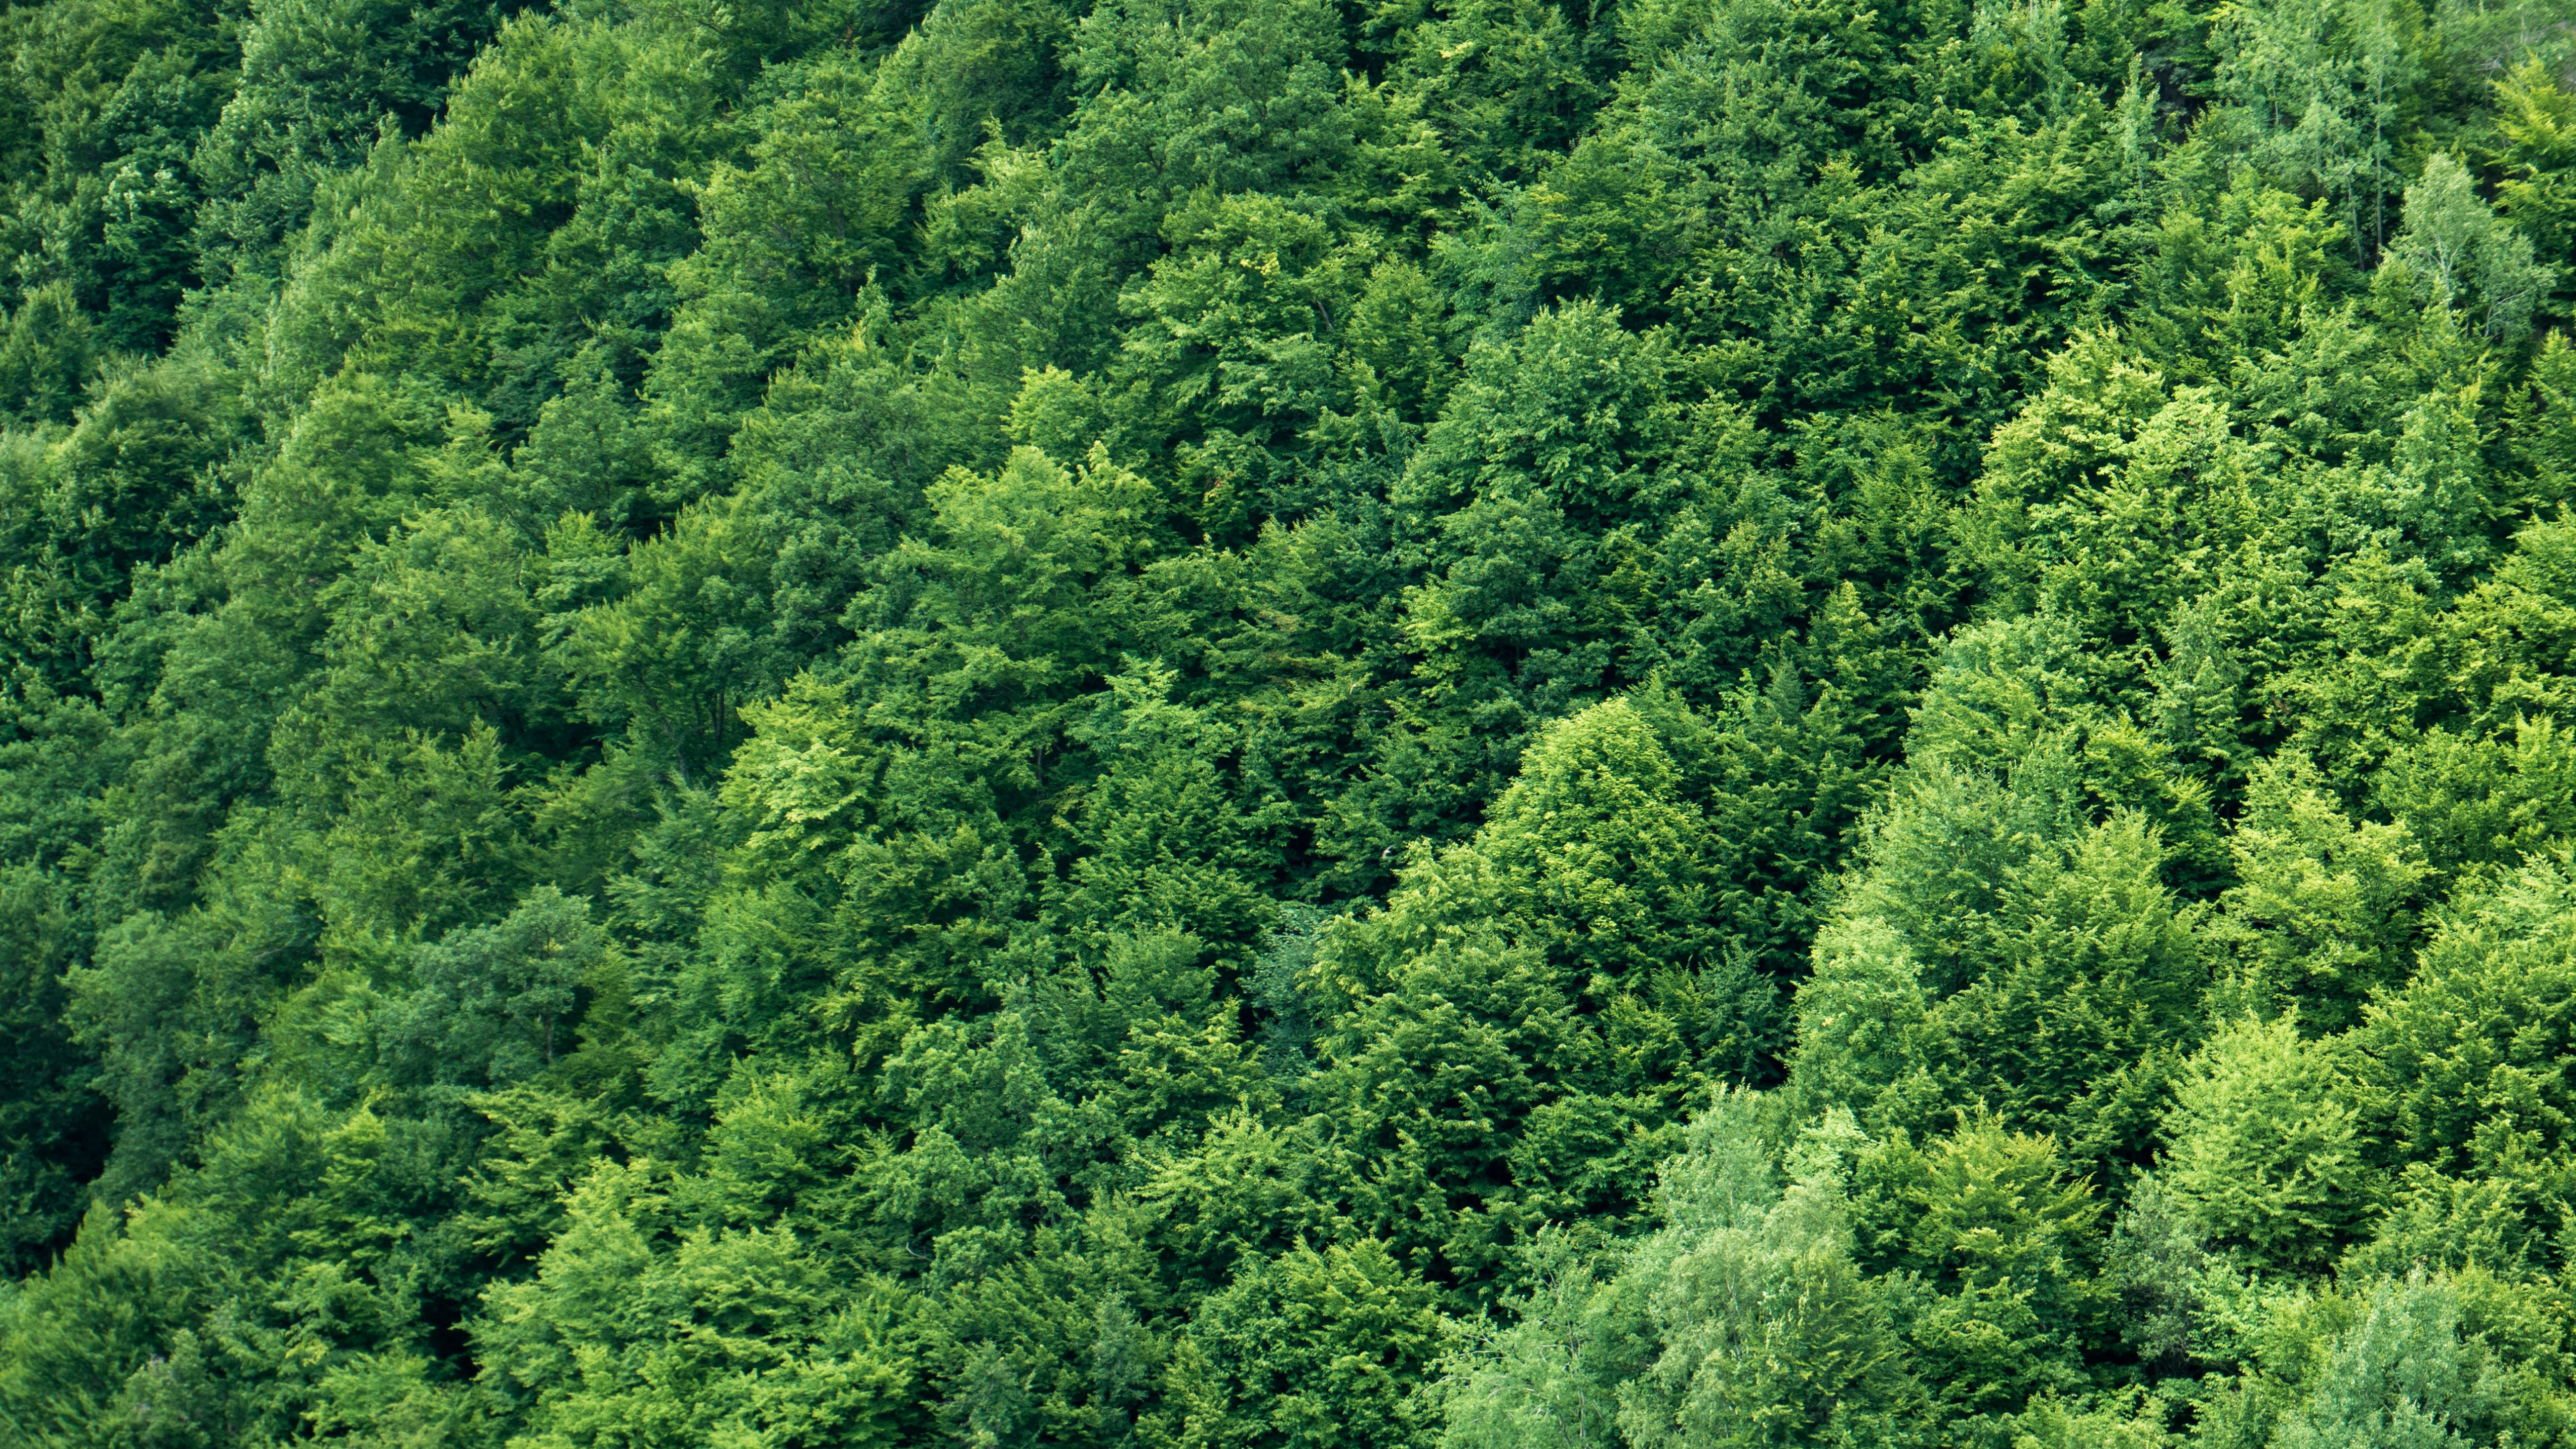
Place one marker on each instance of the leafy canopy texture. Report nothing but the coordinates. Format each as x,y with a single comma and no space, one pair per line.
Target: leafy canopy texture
1264,724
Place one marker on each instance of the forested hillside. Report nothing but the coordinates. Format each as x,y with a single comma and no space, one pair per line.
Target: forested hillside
1228,724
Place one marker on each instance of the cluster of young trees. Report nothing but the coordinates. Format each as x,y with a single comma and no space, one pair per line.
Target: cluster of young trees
1228,724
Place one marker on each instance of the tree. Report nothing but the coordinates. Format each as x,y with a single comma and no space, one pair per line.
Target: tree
2268,1155
2462,256
2320,915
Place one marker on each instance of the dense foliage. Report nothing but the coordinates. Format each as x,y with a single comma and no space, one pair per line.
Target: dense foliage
1243,723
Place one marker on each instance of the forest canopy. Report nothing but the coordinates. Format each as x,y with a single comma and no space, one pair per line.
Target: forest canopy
1288,724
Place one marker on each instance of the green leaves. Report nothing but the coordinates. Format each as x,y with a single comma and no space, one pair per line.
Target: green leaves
2470,1039
1602,858
1314,1348
626,1333
2462,256
1151,723
2322,910
495,1004
2269,1151
50,1109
